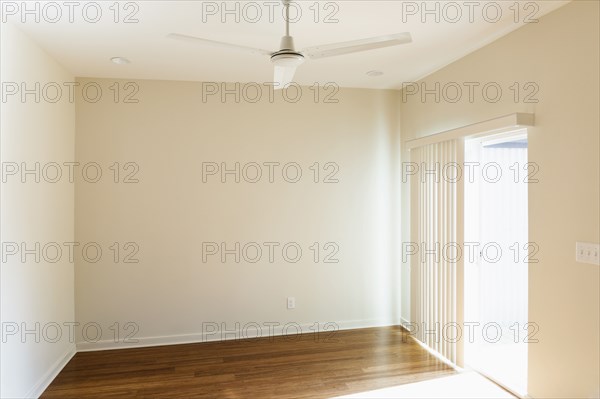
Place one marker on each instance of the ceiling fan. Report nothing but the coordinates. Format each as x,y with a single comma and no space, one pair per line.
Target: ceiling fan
287,59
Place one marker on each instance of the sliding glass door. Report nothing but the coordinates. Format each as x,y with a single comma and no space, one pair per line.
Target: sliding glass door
496,273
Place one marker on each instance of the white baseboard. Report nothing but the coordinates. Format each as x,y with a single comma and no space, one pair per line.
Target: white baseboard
51,374
251,331
404,322
438,355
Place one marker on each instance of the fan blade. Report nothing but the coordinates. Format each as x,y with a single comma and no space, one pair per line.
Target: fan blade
330,50
284,75
198,40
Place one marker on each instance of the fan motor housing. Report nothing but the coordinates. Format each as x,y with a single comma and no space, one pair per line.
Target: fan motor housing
287,58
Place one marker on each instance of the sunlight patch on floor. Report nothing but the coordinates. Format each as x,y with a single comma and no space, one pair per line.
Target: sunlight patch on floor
506,363
464,385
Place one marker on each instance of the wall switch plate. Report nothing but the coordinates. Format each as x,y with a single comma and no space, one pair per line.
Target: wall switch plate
291,302
586,252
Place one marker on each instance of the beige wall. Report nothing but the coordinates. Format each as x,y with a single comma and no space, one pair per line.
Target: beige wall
33,212
560,55
169,133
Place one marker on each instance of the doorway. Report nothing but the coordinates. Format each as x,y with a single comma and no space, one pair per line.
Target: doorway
496,272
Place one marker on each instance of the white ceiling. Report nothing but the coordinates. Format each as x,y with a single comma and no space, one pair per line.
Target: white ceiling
85,48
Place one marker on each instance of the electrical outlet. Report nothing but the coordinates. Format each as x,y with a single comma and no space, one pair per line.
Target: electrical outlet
587,253
291,302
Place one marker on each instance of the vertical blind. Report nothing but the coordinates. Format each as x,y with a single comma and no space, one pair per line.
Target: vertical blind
434,190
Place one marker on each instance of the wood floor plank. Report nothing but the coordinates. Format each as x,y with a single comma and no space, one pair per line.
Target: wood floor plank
307,366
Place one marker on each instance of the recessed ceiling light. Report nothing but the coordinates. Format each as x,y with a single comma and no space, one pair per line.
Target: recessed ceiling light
120,60
374,74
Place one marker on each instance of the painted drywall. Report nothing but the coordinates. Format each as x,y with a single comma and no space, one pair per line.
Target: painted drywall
37,295
165,134
559,55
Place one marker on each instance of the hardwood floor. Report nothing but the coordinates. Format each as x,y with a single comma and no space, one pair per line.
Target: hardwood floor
306,366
